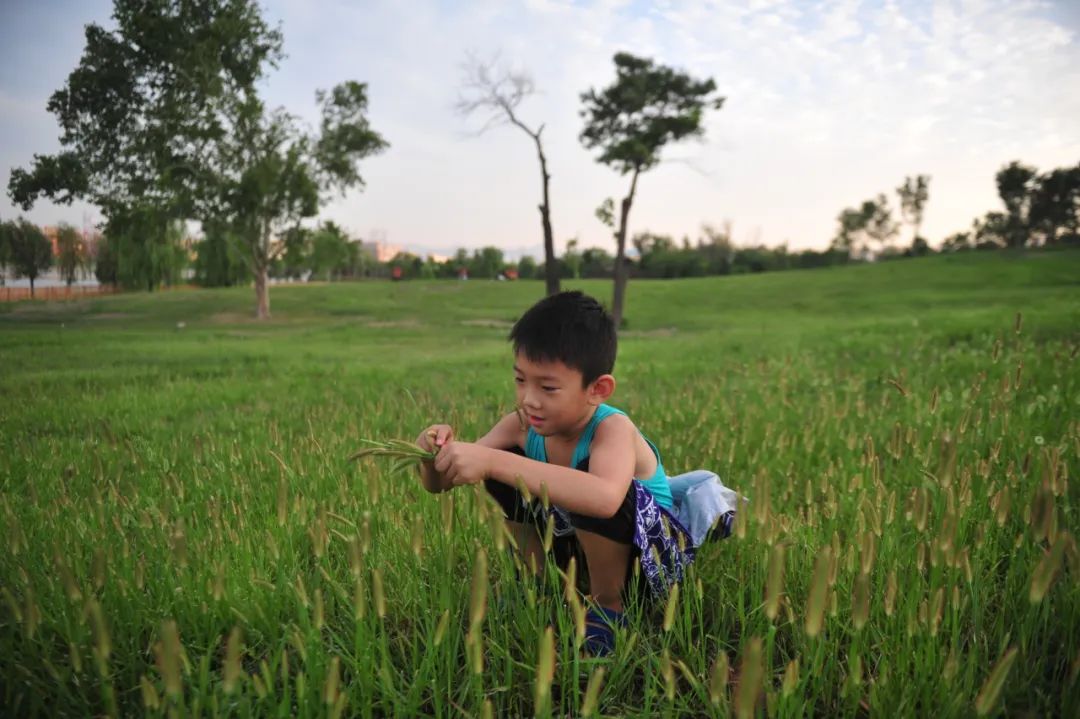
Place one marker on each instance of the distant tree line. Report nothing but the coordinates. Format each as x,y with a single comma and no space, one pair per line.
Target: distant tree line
1041,209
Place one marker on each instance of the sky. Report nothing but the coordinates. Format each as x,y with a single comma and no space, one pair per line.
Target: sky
827,105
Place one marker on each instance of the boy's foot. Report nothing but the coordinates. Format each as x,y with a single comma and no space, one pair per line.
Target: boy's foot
600,624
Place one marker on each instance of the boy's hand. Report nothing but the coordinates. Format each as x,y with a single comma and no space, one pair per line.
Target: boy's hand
464,462
434,437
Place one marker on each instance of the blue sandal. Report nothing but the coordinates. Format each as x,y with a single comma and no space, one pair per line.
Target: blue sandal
600,624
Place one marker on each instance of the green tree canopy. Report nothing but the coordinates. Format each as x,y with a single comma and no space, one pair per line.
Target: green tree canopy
630,121
1015,183
162,116
31,252
71,255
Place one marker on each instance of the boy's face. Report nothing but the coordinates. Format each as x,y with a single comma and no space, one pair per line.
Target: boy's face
552,395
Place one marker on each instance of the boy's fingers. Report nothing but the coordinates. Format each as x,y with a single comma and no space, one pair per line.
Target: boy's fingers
442,461
443,436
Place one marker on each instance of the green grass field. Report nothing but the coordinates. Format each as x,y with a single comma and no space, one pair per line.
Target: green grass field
909,448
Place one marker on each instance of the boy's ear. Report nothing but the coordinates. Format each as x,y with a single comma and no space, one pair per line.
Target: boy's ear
602,388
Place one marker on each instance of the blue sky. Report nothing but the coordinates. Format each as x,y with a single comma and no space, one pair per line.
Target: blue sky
828,104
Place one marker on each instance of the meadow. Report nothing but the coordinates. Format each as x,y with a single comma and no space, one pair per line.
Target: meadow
183,534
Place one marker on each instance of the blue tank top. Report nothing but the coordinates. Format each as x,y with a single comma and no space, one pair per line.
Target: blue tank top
657,484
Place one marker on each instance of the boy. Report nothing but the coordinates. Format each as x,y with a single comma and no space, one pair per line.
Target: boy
605,481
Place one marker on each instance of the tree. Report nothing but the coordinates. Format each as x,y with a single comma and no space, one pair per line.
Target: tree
31,251
957,242
993,231
630,122
597,262
71,253
880,226
146,243
486,262
872,220
499,92
1015,183
717,248
275,173
329,251
572,259
1055,204
6,229
162,119
106,263
527,268
219,259
913,196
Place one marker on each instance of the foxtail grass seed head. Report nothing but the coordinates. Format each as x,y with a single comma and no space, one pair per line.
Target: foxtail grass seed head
417,537
667,672
868,552
591,702
718,678
937,611
545,668
791,678
359,599
519,483
377,593
478,595
102,642
774,583
570,580
750,674
318,615
671,607
860,602
474,644
232,669
169,660
549,533
333,680
890,593
1047,569
440,629
151,699
577,609
991,688
819,587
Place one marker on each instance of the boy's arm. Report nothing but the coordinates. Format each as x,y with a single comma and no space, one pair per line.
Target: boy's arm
504,435
596,493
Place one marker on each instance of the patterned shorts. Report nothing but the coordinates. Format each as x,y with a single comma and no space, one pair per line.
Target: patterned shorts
663,548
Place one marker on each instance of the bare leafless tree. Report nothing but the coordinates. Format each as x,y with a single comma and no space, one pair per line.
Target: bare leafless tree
493,91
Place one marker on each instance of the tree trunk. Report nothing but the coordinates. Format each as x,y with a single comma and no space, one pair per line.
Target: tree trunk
262,293
551,266
620,255
31,287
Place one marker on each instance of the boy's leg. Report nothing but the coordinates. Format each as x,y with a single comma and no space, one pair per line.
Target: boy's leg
521,522
609,548
608,562
529,544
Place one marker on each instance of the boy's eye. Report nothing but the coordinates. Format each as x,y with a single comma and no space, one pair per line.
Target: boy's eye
549,389
519,380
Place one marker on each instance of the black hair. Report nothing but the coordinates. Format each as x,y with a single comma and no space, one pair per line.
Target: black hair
570,327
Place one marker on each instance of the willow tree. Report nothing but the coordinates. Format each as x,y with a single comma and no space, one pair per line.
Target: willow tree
630,121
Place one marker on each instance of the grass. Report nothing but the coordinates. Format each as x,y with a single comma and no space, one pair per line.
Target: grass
909,449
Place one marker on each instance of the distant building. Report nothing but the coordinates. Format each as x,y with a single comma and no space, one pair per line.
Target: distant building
382,251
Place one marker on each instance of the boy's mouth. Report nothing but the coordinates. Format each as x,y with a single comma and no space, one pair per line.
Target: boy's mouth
534,420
